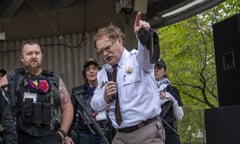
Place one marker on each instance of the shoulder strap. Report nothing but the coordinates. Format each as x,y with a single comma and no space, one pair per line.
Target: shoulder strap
15,78
52,77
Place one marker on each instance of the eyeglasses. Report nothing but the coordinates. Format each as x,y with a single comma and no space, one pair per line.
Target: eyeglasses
105,49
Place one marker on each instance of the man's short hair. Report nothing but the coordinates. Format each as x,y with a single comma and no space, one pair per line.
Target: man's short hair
30,42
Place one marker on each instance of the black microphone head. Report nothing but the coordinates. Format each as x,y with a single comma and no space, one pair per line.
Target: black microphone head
108,68
109,71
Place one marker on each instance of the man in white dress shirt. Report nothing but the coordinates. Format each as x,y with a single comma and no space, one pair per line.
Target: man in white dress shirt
133,92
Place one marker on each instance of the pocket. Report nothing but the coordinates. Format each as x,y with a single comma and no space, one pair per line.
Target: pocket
160,129
46,113
37,113
131,78
27,111
130,82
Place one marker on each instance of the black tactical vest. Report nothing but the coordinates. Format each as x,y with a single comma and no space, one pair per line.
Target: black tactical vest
36,101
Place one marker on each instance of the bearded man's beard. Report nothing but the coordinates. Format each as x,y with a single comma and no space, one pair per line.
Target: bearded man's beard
34,70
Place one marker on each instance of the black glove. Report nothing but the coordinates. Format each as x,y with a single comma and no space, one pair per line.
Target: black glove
149,38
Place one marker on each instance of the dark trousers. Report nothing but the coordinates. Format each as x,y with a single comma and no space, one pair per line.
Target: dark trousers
24,138
171,137
85,137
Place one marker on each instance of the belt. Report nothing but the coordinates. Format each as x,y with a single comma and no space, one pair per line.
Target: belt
140,125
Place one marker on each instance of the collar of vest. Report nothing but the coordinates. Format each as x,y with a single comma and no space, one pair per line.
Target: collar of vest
44,72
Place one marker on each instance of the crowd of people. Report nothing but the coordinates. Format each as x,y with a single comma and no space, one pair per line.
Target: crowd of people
124,101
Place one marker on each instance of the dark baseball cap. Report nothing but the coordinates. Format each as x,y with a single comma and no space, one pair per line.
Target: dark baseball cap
161,64
89,61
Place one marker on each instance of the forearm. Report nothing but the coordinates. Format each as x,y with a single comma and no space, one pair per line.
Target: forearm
67,117
98,102
66,107
178,111
143,58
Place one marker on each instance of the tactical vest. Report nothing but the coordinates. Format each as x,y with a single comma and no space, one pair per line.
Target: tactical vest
36,101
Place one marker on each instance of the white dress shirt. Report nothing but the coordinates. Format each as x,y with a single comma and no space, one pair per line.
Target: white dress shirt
137,90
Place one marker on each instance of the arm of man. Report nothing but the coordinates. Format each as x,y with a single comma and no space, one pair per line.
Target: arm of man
66,107
143,56
98,101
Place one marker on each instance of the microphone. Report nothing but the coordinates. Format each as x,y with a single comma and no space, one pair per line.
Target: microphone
109,71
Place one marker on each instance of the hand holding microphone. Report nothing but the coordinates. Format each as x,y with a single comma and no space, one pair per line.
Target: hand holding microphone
111,86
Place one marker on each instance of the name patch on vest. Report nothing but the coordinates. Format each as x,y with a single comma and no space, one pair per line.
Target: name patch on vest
30,95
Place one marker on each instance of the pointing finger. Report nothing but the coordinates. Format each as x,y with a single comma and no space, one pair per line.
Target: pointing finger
137,19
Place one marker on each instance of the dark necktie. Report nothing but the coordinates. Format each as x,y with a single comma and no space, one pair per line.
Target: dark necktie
117,109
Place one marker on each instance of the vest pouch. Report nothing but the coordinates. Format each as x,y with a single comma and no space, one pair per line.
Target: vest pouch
37,114
27,111
46,113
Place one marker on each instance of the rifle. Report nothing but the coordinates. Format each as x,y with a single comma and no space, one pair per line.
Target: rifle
86,114
164,113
